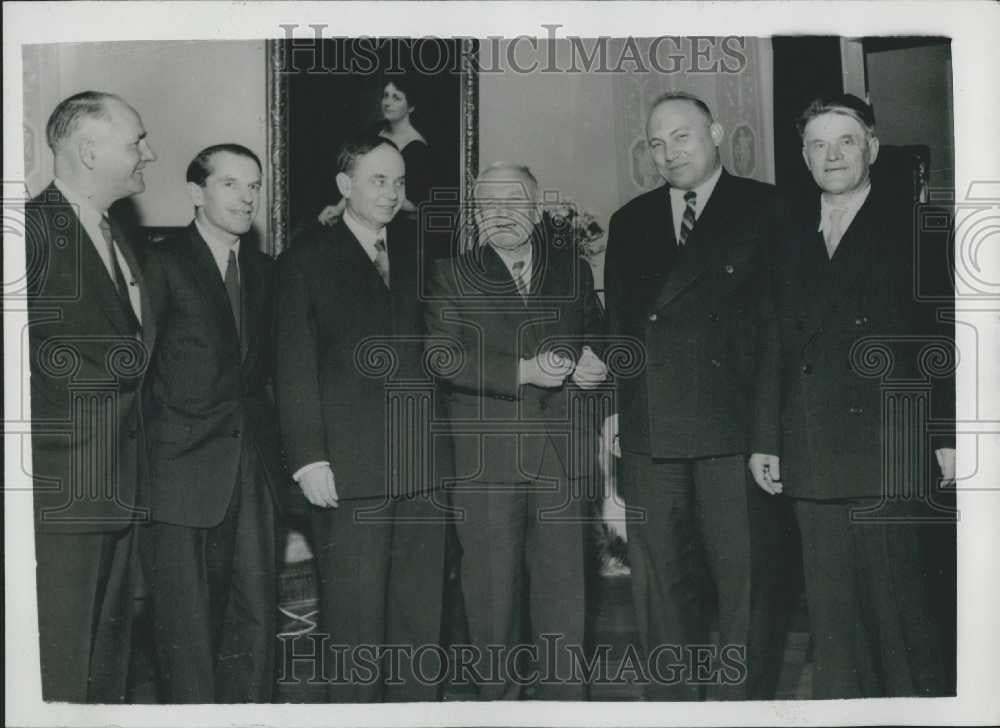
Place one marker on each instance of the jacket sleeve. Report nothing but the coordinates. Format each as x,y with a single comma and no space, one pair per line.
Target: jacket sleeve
296,368
461,353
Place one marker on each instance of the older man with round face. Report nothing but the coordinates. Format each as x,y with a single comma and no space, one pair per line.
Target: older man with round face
852,465
88,305
686,276
517,311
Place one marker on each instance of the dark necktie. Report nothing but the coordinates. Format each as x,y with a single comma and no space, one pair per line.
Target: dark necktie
382,258
687,222
522,285
232,280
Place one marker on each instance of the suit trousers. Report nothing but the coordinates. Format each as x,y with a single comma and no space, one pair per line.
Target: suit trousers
380,565
688,521
85,614
214,599
869,608
524,540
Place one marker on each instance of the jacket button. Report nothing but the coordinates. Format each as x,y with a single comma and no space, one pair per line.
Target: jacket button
730,269
856,410
713,316
716,363
653,317
861,321
235,433
807,368
543,404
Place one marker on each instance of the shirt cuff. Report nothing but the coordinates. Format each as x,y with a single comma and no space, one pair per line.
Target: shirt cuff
297,476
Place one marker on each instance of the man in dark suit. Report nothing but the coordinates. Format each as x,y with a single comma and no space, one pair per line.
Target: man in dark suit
352,399
89,336
685,275
209,554
859,353
516,312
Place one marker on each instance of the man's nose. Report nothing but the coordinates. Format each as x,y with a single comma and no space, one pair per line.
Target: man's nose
148,155
833,150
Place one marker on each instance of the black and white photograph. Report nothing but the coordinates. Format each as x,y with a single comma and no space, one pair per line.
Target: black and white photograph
501,363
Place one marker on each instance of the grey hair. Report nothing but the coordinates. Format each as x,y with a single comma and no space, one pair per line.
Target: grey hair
521,169
66,117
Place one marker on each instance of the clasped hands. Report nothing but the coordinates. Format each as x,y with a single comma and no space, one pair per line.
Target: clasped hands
549,370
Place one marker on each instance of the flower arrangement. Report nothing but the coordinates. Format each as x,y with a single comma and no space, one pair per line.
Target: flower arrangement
588,235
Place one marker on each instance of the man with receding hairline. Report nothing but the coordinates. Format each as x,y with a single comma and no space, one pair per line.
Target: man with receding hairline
88,307
686,275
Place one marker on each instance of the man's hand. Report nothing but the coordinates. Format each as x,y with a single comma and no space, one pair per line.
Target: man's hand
946,461
609,436
546,370
319,487
590,370
766,471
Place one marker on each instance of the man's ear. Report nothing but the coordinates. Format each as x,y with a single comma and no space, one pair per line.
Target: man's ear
86,152
717,132
344,184
197,194
872,150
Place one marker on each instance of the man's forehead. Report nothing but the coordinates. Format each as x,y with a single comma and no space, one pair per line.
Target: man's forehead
504,183
383,159
226,164
833,121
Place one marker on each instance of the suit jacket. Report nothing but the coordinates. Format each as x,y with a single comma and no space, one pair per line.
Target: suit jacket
699,312
206,396
88,361
345,345
476,314
851,328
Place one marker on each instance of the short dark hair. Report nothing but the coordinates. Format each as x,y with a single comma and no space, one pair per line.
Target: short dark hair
683,96
66,117
406,83
359,146
846,104
201,166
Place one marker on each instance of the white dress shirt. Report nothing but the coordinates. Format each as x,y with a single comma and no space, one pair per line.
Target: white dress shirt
509,261
219,248
702,194
90,218
849,204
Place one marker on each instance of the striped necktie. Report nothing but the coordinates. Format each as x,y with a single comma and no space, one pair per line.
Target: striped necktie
687,222
522,285
232,281
382,258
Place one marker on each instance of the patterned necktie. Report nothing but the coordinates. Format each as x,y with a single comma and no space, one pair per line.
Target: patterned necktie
382,258
116,271
833,232
232,279
687,222
522,285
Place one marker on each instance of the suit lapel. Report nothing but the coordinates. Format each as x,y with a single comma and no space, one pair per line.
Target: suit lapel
94,273
206,272
706,243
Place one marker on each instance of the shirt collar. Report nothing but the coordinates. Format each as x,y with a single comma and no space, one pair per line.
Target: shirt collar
850,205
365,235
89,214
219,248
703,191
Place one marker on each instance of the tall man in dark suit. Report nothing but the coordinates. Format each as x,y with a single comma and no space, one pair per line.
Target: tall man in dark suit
90,335
517,312
348,302
685,275
209,553
856,358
